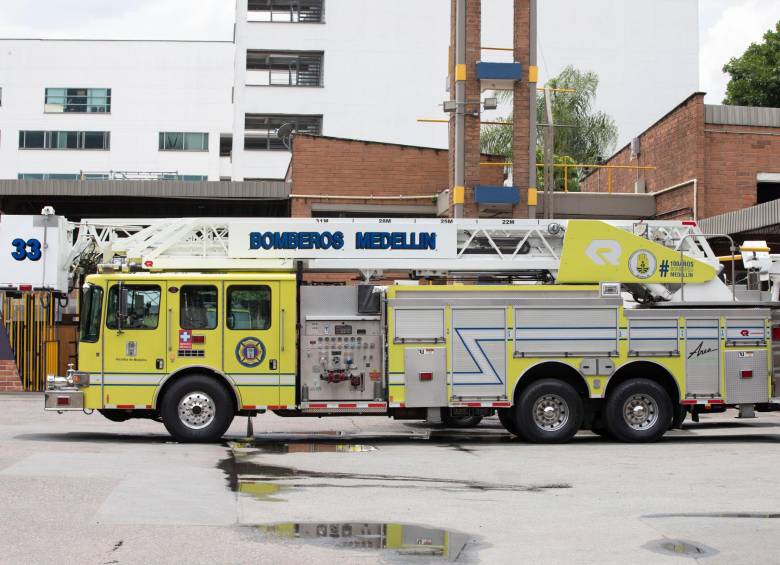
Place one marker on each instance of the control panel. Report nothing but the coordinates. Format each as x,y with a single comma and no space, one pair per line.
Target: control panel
341,359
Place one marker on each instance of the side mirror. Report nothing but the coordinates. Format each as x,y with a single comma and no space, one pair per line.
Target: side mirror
122,306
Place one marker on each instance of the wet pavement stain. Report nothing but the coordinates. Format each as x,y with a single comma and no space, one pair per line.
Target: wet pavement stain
241,472
303,447
741,515
407,541
680,548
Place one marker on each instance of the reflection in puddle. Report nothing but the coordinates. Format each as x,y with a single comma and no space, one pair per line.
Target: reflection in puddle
401,539
680,548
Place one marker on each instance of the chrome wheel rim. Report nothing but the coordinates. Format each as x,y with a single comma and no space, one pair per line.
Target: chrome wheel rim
197,410
640,412
550,412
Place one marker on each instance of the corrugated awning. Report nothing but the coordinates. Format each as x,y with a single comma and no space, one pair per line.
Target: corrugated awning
249,190
763,218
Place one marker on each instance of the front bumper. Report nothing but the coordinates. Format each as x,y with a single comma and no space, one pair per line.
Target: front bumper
64,400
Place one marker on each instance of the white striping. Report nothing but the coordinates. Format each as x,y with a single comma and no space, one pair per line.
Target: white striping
255,379
286,379
132,379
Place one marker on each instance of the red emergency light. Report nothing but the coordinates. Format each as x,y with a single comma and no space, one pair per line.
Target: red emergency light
746,374
200,339
776,333
426,376
63,401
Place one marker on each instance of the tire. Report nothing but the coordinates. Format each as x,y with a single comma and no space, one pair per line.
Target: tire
451,421
507,419
116,415
638,411
549,411
680,413
197,409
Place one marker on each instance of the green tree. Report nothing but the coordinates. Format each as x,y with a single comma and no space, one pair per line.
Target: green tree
755,76
586,135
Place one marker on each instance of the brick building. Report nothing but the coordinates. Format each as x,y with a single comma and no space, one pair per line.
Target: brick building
710,160
346,177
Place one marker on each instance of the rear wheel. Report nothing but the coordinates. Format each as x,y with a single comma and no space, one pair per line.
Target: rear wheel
637,411
197,409
548,411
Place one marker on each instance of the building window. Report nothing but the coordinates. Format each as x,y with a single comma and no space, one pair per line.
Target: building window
261,129
78,100
226,145
181,141
284,68
286,11
85,140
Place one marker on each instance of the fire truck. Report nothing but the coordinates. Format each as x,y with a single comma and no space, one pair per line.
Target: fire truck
620,327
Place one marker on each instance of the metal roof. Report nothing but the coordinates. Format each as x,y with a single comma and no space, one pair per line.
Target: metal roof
742,116
763,217
249,190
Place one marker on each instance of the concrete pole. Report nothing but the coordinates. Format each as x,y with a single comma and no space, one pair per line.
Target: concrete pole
549,157
532,109
460,111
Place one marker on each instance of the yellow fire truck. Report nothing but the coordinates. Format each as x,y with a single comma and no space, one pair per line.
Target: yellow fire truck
615,326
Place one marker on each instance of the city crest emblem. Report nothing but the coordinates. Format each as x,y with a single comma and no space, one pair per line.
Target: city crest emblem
250,352
642,264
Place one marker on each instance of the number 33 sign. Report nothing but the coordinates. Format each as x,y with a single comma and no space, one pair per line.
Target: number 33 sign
30,249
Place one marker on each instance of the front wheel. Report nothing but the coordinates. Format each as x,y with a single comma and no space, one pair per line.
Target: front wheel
549,411
637,411
197,409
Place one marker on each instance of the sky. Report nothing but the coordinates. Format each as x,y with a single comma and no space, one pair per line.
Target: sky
727,27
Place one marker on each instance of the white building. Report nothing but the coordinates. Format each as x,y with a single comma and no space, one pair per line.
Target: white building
359,69
97,106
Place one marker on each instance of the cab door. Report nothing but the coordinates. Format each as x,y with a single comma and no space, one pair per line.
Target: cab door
134,343
195,336
251,340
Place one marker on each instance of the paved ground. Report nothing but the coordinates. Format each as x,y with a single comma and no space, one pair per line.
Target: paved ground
81,489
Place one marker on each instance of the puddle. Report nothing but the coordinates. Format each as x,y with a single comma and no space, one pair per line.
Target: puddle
303,447
402,540
680,548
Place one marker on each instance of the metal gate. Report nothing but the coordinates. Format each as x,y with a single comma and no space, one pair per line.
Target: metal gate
29,320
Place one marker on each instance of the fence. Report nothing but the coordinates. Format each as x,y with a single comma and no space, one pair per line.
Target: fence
29,319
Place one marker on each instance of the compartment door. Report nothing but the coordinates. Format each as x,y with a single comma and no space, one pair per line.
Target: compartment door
134,355
195,334
252,340
478,345
702,358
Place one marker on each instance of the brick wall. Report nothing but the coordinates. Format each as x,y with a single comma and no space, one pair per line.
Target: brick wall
725,160
734,159
675,146
361,169
9,377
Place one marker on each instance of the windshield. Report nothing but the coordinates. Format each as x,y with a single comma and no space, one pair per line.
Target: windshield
91,305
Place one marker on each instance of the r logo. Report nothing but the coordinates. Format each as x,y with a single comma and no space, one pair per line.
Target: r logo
604,251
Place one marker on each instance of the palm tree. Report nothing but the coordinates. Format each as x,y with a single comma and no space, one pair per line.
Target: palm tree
586,136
